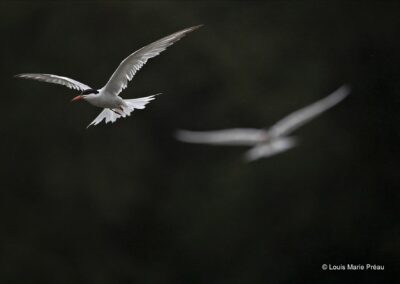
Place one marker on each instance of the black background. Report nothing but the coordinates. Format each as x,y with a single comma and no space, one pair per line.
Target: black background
126,203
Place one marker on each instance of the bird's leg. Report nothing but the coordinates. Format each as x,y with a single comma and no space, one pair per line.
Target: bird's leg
118,111
121,109
114,111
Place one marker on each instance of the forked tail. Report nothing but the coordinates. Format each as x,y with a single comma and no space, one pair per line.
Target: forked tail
111,115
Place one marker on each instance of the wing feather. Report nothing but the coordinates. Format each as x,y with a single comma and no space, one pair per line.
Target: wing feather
55,79
130,65
302,116
232,137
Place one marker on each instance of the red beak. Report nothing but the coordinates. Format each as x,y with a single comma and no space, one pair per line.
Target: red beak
77,98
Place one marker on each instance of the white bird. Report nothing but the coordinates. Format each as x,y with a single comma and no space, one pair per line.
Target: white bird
108,96
265,142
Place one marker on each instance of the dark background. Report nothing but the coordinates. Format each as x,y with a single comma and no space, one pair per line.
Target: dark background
126,203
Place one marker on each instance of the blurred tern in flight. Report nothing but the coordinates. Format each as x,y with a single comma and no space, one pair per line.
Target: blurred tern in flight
108,96
265,142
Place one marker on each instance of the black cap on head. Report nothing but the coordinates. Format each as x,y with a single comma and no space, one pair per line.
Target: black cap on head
89,91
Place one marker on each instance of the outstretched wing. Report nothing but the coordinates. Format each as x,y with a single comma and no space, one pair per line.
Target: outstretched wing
130,65
302,116
229,137
269,149
55,79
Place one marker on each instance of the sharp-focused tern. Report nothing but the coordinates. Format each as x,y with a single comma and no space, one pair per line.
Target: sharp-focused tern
265,142
108,96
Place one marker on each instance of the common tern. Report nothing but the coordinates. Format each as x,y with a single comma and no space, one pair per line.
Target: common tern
108,97
270,141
